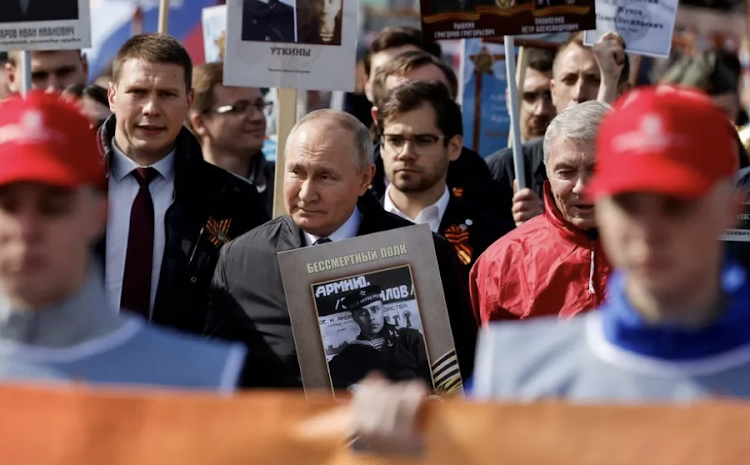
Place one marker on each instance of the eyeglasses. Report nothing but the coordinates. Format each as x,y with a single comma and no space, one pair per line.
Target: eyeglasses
242,106
420,142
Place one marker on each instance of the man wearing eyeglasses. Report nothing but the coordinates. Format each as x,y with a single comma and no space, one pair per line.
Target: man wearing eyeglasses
230,123
421,135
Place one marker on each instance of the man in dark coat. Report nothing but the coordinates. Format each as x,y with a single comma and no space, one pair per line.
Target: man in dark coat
16,11
267,21
328,170
159,262
397,353
468,175
422,132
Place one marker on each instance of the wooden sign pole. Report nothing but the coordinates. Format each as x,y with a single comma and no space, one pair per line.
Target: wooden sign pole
163,16
515,129
287,120
523,62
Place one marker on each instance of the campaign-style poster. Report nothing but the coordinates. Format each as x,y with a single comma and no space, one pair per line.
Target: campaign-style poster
484,107
44,24
214,21
466,19
303,44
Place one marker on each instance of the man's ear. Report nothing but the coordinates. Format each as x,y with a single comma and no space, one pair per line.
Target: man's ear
111,94
374,114
455,147
10,74
196,122
367,176
190,98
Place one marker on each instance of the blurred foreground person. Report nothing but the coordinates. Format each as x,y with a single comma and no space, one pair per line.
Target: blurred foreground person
676,325
554,264
55,321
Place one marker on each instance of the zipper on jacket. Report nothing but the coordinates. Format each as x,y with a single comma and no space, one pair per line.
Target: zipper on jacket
591,272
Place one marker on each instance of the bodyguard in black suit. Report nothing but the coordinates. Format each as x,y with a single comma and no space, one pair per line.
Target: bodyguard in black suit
16,11
328,169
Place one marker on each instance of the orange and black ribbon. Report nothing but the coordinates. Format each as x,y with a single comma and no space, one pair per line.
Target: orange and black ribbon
460,240
458,192
219,231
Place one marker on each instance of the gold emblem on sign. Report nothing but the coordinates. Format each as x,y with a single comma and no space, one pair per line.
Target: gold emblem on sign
484,61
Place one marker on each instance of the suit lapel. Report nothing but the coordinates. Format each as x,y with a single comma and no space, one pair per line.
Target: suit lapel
451,215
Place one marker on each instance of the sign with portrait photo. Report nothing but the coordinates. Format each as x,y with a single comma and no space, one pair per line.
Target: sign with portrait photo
44,25
646,26
371,303
214,21
467,19
302,44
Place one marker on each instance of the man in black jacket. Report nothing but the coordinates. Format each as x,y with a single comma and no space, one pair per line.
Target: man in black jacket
16,11
422,132
468,175
170,212
328,169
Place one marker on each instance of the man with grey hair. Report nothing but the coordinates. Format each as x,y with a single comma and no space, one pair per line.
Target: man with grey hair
328,170
553,264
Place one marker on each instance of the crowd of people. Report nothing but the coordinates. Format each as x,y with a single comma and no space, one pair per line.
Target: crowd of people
137,245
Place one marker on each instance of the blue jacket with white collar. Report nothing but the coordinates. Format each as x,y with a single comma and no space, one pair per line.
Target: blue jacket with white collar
613,354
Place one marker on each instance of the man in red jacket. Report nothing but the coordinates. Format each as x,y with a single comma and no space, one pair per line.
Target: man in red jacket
553,264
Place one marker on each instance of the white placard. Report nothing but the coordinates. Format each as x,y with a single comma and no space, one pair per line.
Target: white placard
214,21
44,25
646,26
302,44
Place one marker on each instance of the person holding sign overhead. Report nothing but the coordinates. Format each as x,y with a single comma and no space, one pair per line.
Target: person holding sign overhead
20,11
56,324
327,173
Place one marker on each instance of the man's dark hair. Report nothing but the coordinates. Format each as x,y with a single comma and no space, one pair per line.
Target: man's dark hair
414,94
392,37
403,64
154,48
93,91
576,39
541,59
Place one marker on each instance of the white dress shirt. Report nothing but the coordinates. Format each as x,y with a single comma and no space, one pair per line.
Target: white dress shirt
346,231
123,188
431,215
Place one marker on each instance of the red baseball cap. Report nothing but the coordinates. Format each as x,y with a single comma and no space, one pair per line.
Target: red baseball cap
44,139
664,139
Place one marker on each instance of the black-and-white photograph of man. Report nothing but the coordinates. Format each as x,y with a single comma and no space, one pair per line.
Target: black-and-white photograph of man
268,21
17,11
374,327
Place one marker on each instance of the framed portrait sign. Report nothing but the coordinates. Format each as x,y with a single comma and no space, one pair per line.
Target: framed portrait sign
44,25
371,303
302,44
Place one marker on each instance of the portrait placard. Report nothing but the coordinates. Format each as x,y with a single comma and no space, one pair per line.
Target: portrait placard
467,19
371,303
44,25
214,21
302,44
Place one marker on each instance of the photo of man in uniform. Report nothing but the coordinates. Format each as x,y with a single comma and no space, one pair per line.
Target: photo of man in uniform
397,353
17,11
267,21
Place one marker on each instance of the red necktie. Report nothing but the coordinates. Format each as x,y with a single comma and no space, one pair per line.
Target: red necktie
136,281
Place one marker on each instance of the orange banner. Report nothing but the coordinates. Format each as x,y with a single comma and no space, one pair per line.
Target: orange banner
77,426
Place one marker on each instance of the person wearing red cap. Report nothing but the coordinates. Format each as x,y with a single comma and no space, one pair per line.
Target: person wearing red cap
676,323
56,324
